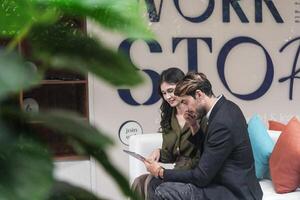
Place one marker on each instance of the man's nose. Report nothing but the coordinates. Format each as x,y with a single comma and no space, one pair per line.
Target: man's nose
183,107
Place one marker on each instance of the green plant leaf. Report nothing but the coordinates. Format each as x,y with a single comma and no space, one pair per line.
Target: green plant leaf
121,15
5,137
119,178
16,16
91,140
65,191
60,47
26,170
16,75
26,167
73,126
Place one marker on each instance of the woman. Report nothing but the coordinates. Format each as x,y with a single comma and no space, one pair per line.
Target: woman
175,147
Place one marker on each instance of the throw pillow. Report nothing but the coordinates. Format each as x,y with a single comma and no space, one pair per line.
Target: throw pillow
285,159
262,146
276,126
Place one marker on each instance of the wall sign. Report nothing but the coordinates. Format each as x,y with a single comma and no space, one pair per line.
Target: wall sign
128,129
249,50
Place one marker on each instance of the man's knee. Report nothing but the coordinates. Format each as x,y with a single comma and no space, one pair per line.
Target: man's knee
172,190
153,184
162,191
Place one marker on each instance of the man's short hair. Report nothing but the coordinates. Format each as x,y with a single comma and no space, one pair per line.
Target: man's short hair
191,82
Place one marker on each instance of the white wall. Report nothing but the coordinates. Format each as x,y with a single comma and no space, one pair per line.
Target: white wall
245,69
78,173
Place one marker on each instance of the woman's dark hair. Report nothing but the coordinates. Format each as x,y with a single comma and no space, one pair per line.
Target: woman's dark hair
172,76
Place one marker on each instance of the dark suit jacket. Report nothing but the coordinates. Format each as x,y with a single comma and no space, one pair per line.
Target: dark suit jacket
227,157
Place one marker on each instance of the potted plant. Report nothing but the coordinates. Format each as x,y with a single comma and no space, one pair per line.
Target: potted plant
26,170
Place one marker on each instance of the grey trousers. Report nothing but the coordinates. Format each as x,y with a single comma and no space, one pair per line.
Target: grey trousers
183,191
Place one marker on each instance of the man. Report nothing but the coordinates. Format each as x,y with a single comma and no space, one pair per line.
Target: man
226,167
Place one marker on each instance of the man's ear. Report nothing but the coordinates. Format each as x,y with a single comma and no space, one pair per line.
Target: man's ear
198,94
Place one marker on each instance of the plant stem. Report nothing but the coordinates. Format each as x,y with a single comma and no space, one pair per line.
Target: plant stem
12,44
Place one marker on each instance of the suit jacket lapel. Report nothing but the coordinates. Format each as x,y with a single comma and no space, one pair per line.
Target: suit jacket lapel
215,109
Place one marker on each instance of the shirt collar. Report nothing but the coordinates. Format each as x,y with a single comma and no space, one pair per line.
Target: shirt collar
209,112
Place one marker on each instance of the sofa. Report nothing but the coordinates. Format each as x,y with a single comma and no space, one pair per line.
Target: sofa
145,143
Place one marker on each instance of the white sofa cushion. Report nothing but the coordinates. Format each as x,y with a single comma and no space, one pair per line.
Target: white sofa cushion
270,194
143,144
274,135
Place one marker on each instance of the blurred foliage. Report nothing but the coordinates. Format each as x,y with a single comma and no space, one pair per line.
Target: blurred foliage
26,163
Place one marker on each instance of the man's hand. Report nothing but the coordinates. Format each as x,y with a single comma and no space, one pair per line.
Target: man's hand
191,119
154,156
154,168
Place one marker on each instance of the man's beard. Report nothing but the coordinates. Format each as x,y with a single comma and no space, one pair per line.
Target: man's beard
200,112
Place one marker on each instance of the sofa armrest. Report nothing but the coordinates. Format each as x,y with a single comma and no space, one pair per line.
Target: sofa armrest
143,144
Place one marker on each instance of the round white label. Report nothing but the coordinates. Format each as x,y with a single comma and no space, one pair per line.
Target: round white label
128,129
30,105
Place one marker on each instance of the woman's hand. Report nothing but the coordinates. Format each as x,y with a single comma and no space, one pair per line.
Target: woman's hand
154,156
153,168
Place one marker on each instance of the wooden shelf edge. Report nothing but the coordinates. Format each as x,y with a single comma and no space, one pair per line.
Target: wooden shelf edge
71,158
57,82
82,118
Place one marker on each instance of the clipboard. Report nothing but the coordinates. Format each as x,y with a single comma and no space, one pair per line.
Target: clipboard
137,156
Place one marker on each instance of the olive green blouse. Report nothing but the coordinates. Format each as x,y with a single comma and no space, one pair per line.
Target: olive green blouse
176,148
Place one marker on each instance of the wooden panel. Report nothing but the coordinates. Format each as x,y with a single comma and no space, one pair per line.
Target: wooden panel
60,89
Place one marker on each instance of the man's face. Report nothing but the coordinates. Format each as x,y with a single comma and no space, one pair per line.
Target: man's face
192,105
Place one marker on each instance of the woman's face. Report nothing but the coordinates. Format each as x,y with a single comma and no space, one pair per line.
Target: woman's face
167,91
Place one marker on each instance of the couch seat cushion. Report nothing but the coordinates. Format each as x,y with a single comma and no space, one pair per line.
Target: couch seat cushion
270,194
